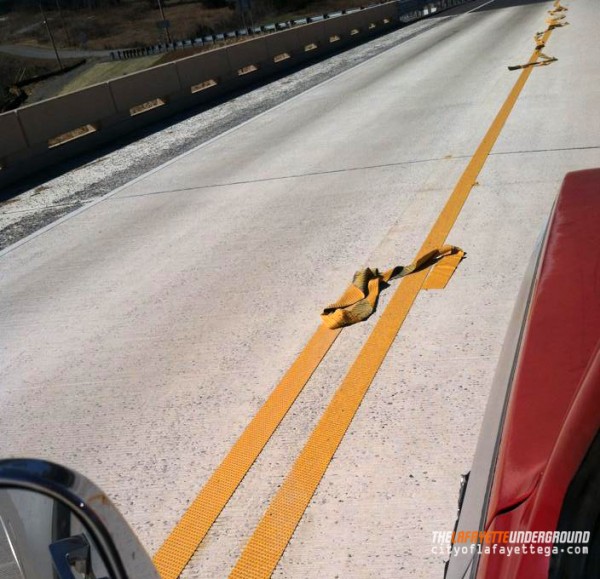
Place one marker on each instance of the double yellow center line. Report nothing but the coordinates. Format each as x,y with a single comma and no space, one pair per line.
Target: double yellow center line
268,542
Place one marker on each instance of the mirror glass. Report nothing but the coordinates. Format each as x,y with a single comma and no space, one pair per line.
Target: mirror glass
41,538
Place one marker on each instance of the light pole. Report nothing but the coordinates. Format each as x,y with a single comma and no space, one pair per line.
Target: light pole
51,37
162,15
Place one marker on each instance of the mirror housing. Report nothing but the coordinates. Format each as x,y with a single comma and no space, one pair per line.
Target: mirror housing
52,514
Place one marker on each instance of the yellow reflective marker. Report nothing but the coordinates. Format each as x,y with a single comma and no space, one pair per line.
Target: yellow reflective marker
269,540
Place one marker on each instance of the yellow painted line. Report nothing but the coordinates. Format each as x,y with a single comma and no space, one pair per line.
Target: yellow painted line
178,549
270,538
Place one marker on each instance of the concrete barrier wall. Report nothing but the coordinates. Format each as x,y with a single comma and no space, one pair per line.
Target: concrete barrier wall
251,52
288,41
213,66
12,136
311,34
355,21
159,82
56,116
107,107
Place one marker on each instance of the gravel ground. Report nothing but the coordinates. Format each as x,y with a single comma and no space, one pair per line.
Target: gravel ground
37,206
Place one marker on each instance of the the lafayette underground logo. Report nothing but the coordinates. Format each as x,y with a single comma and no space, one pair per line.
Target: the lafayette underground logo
509,543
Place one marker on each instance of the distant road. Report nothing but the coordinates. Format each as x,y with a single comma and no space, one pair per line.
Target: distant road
48,53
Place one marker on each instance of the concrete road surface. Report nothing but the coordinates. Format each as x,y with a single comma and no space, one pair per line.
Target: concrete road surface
140,335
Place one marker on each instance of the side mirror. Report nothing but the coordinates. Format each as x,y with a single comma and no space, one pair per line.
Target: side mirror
56,524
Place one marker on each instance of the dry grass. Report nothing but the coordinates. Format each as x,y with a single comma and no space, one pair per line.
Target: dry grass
104,71
127,26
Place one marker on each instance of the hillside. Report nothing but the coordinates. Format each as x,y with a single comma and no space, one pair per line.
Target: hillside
113,24
99,25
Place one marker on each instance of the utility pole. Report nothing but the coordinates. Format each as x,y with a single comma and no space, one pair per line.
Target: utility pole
51,37
162,15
